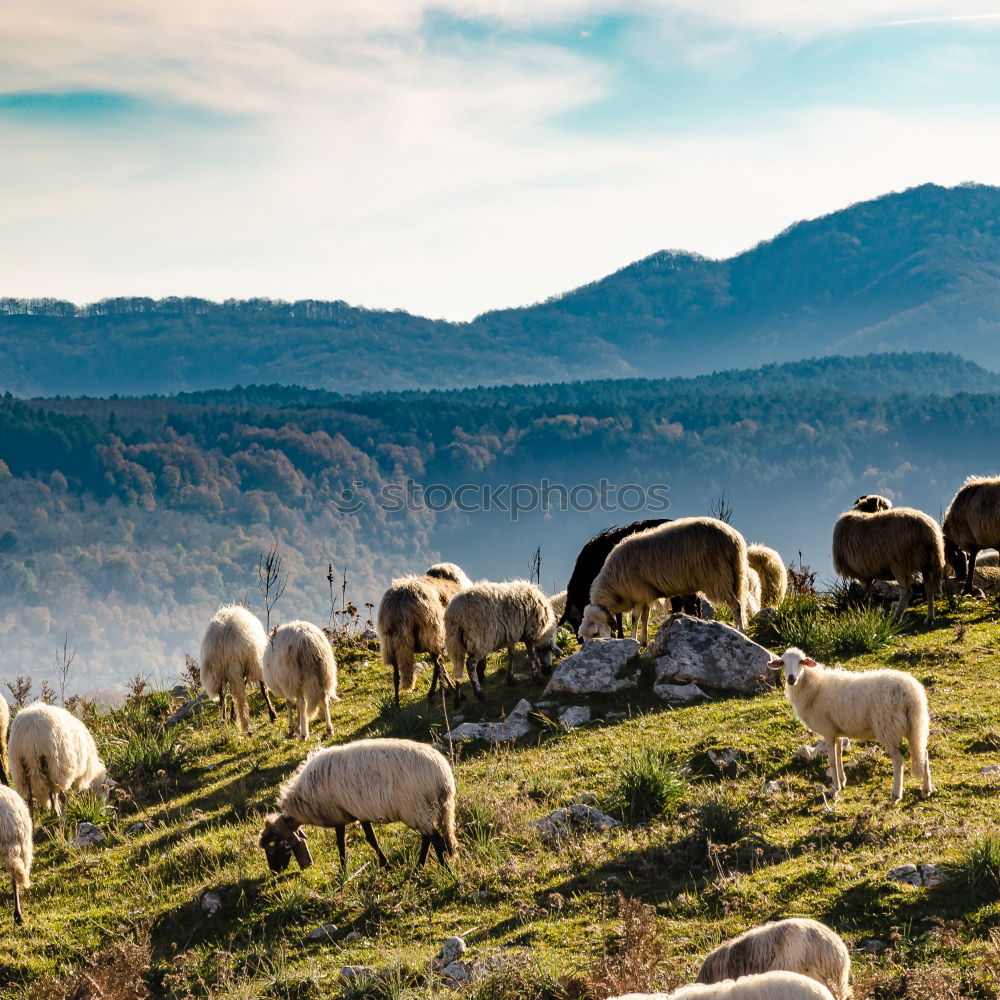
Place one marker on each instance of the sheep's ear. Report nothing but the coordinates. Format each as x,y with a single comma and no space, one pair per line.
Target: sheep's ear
301,851
776,664
808,662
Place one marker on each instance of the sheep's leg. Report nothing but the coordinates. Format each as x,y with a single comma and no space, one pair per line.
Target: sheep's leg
841,773
635,622
835,750
325,709
26,781
905,594
303,718
620,633
290,707
425,843
931,584
395,683
370,837
241,708
645,625
897,772
737,610
970,572
928,784
434,681
439,848
341,831
475,678
510,667
222,705
18,918
272,715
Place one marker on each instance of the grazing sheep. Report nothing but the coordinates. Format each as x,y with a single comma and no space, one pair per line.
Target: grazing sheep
15,844
972,521
4,725
794,945
558,603
491,616
763,986
411,621
691,555
887,706
299,667
52,753
368,781
989,558
588,564
753,591
772,572
231,656
890,544
871,503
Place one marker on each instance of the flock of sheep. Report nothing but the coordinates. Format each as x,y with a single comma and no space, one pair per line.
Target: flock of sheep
442,612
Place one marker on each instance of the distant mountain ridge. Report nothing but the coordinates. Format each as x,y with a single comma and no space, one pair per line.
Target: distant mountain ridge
911,271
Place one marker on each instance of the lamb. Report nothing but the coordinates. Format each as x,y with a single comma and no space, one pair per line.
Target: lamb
491,616
887,706
763,986
411,621
4,725
680,557
793,945
52,753
972,520
890,544
299,666
589,563
231,653
367,781
771,570
15,844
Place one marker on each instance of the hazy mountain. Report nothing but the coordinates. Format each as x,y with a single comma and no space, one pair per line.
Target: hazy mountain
918,270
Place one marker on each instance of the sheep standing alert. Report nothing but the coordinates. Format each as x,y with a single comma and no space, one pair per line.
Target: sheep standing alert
368,781
772,572
4,725
411,621
972,520
51,754
872,543
887,706
763,986
299,666
691,555
231,654
15,844
794,945
492,616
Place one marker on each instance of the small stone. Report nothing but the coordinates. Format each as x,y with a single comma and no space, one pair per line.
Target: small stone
684,694
452,949
565,822
872,946
907,874
368,634
138,827
479,896
772,787
459,972
990,769
211,902
190,708
322,932
513,727
88,835
932,875
354,974
353,936
584,799
576,715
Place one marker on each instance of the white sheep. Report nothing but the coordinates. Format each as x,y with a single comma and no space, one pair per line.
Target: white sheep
52,753
763,986
754,588
491,616
368,781
4,725
972,520
411,621
299,666
15,844
231,654
793,945
887,706
772,572
558,602
679,557
872,543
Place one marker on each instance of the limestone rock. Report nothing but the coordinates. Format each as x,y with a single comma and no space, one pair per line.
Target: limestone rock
88,835
211,902
596,669
513,727
567,821
683,694
190,708
575,715
453,949
323,932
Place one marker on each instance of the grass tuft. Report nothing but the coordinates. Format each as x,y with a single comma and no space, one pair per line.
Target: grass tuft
978,867
649,785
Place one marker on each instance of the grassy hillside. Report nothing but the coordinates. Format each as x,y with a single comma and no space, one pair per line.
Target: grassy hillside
125,919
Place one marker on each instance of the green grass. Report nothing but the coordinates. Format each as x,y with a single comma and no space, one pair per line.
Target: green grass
709,858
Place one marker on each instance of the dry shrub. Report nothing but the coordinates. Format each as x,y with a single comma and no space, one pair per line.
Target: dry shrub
118,972
634,964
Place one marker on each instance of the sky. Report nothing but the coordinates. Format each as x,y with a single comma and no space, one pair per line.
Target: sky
456,157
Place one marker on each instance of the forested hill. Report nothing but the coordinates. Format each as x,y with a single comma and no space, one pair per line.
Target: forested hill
124,522
917,270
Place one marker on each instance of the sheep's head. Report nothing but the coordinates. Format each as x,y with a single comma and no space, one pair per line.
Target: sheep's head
793,664
279,842
449,571
596,623
871,503
956,559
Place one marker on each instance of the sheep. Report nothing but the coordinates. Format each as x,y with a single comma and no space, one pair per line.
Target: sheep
367,781
299,666
588,564
772,572
411,621
680,557
793,945
890,544
558,603
15,844
4,724
490,616
52,753
887,706
231,653
871,503
753,591
972,520
763,986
